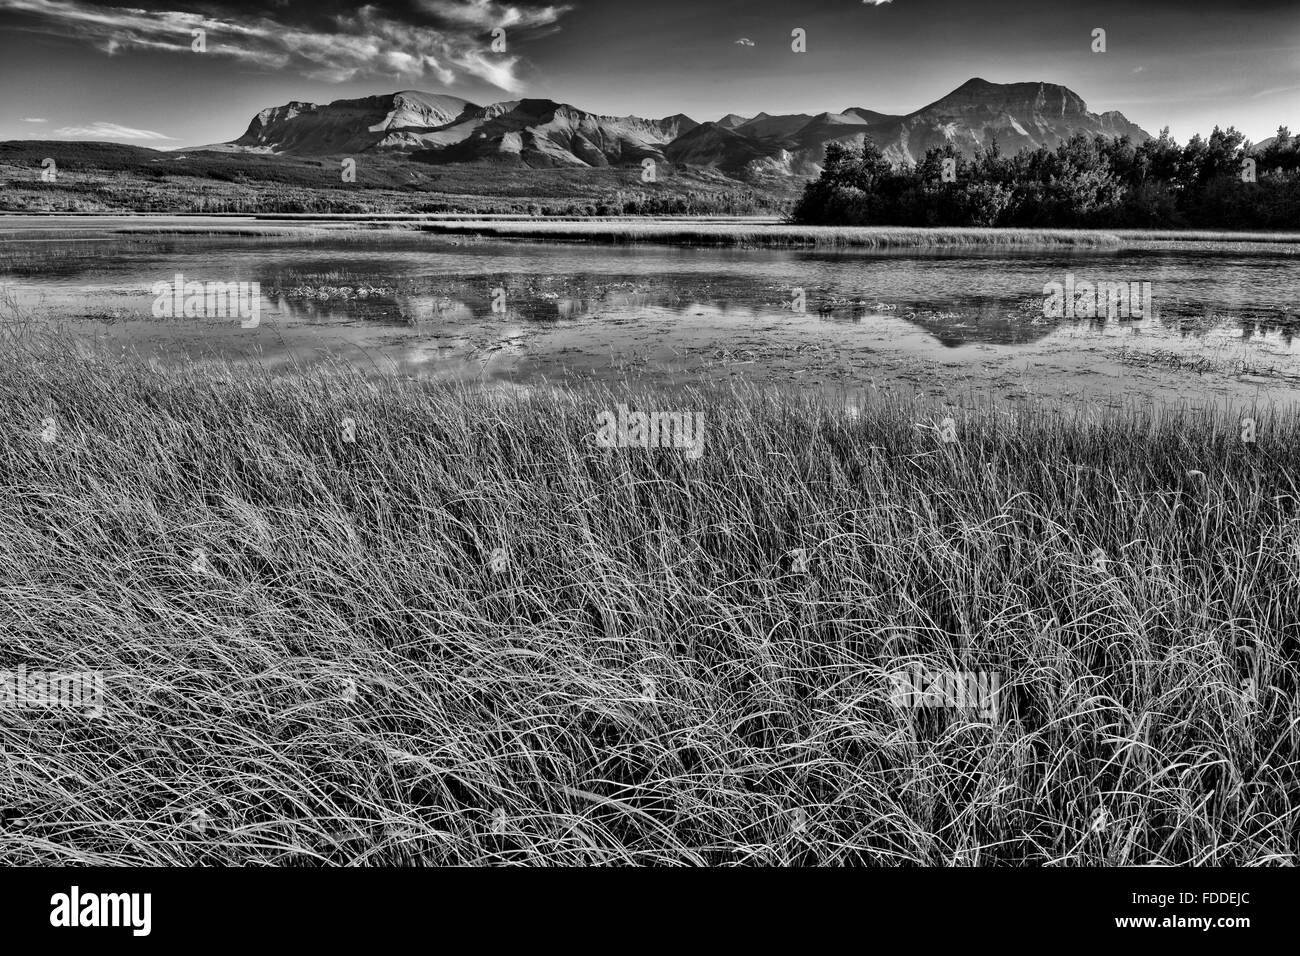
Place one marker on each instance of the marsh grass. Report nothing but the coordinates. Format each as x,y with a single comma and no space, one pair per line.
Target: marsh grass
650,678
748,234
1200,364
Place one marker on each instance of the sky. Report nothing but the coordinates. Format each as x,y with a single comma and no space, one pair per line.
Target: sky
86,70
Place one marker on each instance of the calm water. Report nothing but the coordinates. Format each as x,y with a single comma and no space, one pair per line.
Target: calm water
416,304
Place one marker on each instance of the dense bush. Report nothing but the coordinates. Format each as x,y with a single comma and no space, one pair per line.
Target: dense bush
1083,182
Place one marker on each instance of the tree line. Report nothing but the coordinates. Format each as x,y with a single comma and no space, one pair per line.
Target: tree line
1219,183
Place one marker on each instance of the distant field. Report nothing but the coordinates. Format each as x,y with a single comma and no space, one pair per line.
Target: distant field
471,636
99,177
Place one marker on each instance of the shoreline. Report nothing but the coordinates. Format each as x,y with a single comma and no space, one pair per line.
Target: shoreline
740,232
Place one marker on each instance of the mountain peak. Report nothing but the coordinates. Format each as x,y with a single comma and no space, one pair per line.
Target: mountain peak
978,94
1014,115
870,116
348,126
540,132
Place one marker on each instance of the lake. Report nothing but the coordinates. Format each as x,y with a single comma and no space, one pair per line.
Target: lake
956,324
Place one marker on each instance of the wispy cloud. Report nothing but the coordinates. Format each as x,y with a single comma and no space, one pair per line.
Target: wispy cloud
103,130
876,3
488,14
35,119
745,41
435,38
1273,91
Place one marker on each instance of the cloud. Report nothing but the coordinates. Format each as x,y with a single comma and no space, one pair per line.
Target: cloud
103,130
1138,69
487,14
35,119
329,41
876,3
745,41
1276,89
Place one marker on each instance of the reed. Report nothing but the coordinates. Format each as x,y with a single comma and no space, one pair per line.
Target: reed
469,635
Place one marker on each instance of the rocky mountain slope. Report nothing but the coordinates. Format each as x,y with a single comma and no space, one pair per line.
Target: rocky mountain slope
978,113
349,126
541,133
1016,115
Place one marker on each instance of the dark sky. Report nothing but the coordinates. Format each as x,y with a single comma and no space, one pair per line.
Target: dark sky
79,69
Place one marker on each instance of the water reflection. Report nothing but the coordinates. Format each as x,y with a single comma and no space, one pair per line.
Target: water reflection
954,323
426,295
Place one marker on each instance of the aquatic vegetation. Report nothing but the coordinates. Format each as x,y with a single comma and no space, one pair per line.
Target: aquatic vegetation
337,292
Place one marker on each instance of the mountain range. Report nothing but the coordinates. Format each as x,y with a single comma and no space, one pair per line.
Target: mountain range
537,133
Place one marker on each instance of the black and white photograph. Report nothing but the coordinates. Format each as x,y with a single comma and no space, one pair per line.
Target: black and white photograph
484,434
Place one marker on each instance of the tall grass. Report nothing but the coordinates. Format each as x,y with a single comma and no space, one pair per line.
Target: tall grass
650,678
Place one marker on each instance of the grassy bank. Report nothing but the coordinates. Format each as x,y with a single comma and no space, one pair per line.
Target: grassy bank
741,232
870,237
314,651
